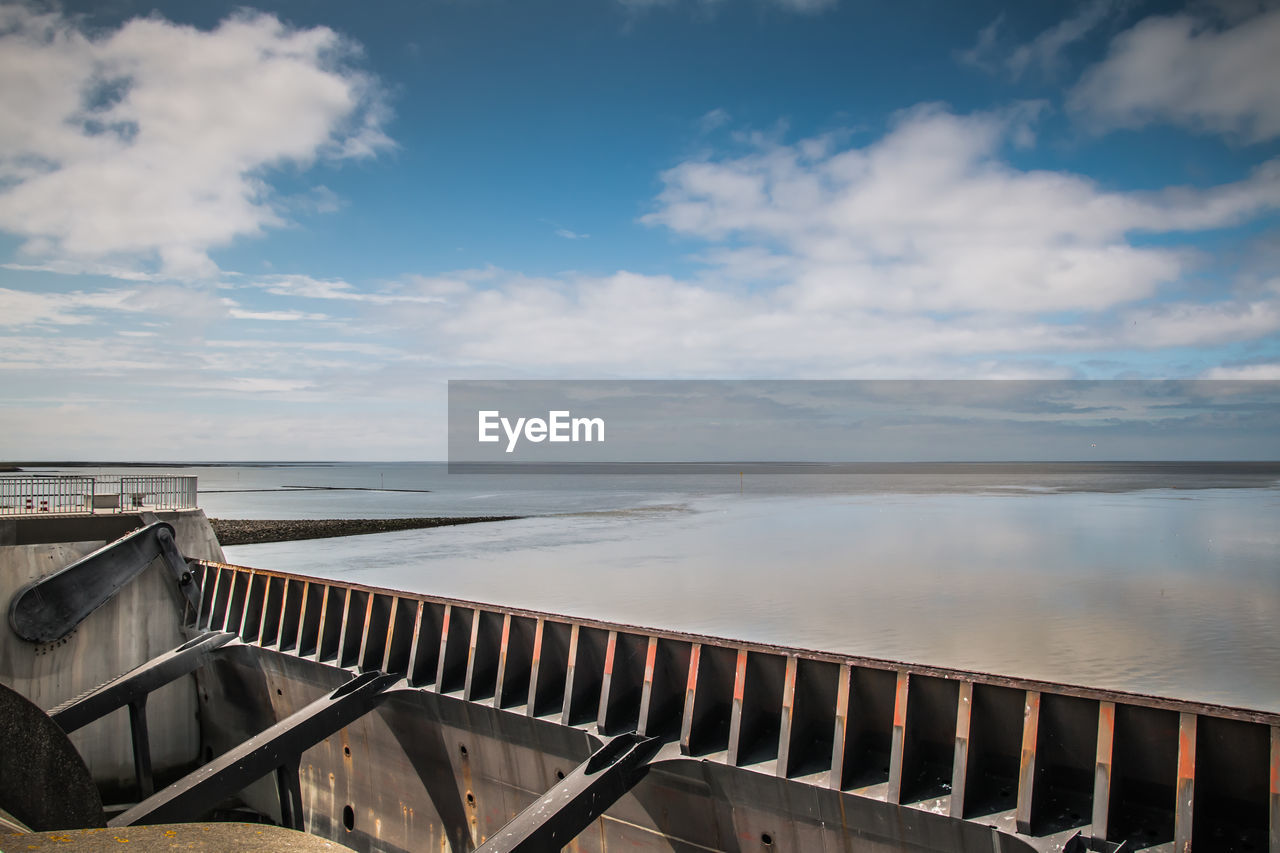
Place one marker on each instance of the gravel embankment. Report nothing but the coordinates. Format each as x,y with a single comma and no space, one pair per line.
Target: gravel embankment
232,531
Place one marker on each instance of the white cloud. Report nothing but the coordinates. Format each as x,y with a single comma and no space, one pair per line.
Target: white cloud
1269,372
150,144
930,218
24,308
314,288
1184,71
1196,324
1046,49
922,253
981,55
634,325
275,316
713,120
570,235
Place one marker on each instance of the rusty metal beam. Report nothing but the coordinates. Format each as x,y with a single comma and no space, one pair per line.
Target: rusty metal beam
646,691
901,692
690,694
1185,808
739,694
606,684
1027,762
1102,772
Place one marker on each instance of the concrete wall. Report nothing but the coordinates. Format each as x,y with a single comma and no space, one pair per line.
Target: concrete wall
142,621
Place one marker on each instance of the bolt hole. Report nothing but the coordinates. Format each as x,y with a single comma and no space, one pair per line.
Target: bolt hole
346,750
471,800
766,839
348,817
559,775
463,750
279,692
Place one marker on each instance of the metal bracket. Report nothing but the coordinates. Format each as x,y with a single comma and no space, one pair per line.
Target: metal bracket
48,609
581,797
278,747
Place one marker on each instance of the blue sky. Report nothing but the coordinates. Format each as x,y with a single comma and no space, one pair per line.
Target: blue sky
275,231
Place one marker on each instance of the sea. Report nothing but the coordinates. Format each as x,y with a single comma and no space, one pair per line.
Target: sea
1155,578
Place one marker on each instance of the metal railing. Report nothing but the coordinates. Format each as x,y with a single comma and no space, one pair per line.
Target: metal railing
63,494
1045,760
159,492
30,495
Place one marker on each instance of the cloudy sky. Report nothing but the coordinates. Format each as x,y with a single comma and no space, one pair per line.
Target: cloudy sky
274,232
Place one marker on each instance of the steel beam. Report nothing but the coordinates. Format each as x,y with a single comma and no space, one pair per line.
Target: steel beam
137,683
279,746
48,609
568,808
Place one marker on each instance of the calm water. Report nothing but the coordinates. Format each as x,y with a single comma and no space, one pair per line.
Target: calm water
1137,580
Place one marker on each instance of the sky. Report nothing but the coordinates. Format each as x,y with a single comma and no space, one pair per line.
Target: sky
275,231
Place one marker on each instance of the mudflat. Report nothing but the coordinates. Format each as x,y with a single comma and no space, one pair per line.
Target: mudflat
232,531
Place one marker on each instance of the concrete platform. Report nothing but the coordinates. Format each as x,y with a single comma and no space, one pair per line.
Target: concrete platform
221,837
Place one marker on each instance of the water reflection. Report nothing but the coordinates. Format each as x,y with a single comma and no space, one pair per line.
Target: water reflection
1159,592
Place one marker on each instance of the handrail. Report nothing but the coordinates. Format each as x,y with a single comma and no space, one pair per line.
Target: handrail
62,494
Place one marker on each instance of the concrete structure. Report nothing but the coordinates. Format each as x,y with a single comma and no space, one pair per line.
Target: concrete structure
487,709
142,621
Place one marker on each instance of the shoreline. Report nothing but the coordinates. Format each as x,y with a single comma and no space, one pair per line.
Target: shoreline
233,531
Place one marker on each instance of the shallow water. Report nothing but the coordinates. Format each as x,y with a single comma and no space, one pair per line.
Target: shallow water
1171,591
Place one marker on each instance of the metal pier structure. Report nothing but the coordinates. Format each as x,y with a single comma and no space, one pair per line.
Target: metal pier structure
385,721
762,748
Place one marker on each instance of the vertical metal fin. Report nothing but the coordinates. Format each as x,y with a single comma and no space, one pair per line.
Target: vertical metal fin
960,769
835,779
646,693
788,716
574,633
503,644
735,719
1102,772
539,631
1186,783
690,694
893,794
610,652
1027,763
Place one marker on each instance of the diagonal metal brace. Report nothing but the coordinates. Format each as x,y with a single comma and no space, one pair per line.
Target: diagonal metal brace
138,682
49,608
132,689
581,797
280,745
